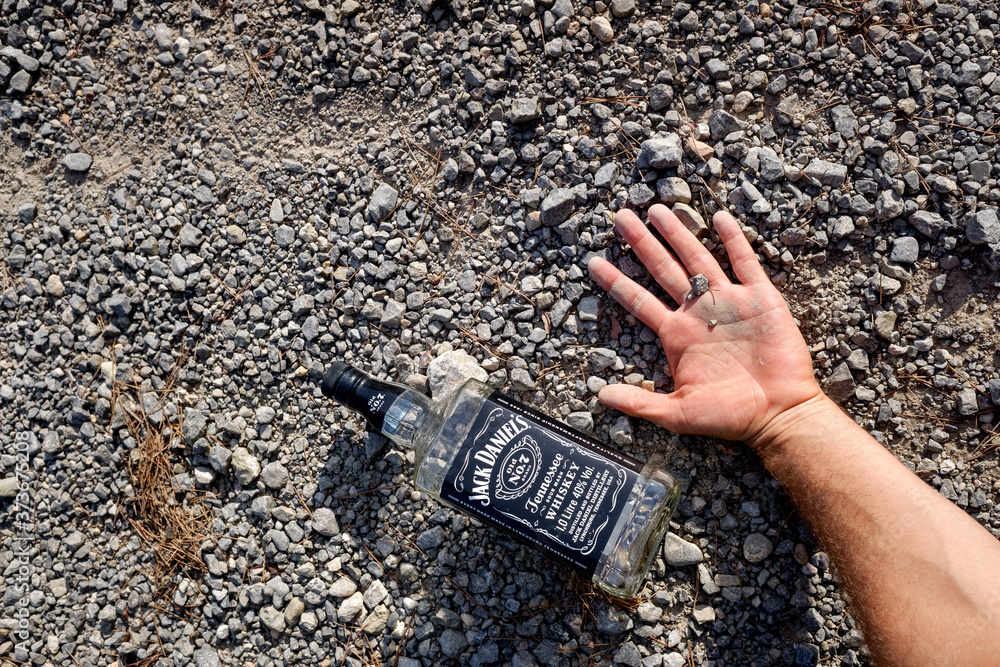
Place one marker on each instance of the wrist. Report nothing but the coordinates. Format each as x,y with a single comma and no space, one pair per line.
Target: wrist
813,415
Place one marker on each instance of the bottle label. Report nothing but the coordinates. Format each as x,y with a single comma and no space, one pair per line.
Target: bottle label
546,483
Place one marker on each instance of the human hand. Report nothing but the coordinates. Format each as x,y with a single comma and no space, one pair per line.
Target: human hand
733,378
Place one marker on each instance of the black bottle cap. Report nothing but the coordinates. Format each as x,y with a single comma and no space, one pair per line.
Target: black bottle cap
340,381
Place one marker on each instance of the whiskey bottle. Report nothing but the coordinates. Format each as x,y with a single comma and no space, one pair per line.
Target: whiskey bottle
583,504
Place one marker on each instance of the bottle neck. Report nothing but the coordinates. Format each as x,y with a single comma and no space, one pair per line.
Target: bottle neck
393,409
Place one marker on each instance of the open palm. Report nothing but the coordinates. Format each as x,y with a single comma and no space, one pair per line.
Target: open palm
737,357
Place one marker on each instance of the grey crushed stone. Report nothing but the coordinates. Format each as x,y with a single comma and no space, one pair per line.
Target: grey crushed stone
679,552
382,202
78,162
699,285
165,222
757,547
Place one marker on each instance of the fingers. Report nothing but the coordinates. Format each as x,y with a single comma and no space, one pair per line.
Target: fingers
745,265
695,257
661,409
632,297
664,267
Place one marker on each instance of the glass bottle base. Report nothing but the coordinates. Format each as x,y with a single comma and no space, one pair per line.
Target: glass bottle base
624,565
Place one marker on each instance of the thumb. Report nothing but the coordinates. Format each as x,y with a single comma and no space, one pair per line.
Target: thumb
661,409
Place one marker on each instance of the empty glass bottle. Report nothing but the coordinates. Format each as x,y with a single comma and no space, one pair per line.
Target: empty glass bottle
582,503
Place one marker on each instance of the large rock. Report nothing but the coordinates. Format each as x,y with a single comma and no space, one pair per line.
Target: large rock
826,173
721,123
342,588
524,110
884,284
276,214
590,308
612,620
303,305
927,223
840,227
703,613
717,69
806,655
376,621
374,594
602,29
968,402
622,8
557,206
983,227
163,36
324,522
26,62
274,475
453,643
54,286
673,189
757,547
245,465
218,457
207,657
606,176
181,48
680,553
58,587
272,619
450,370
195,424
858,360
885,323
994,387
203,195
265,414
430,538
20,83
621,431
640,195
8,487
77,162
840,385
771,166
844,121
382,203
293,612
889,205
691,219
602,358
675,659
660,152
392,314
905,250
350,608
660,97
581,421
189,236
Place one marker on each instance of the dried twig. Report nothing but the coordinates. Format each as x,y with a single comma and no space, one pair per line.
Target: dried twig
166,519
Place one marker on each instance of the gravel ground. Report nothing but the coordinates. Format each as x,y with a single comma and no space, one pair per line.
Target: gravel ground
203,205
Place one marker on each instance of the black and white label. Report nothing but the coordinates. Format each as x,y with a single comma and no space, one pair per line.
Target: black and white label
546,483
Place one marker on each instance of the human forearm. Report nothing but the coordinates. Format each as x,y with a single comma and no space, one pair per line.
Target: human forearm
922,574
909,558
